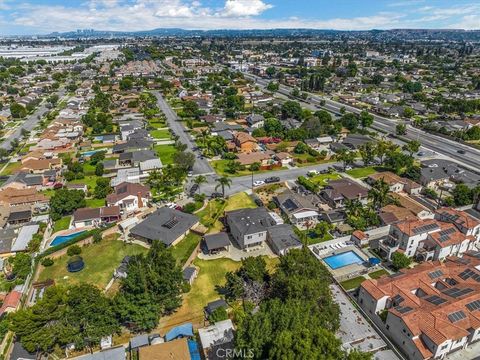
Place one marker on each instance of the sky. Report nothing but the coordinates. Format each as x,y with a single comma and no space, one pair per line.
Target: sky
25,17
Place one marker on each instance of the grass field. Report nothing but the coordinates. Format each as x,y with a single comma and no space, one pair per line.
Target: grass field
11,168
359,173
220,168
377,274
353,283
100,261
95,203
239,201
166,153
160,134
61,224
89,180
184,248
211,212
323,179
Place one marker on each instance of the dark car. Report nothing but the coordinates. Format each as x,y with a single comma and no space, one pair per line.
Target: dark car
272,179
193,189
216,195
259,202
461,151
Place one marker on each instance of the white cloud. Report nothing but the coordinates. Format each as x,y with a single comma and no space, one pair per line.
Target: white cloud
245,7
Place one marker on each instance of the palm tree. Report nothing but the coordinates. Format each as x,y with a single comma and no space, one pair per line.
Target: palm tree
199,180
353,207
379,194
222,182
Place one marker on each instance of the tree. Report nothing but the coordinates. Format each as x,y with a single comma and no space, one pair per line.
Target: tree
64,202
462,195
350,121
74,250
401,129
367,152
272,86
97,157
379,194
232,166
3,154
222,183
408,112
218,314
291,109
400,260
99,169
21,265
184,160
102,188
199,180
17,111
152,288
346,157
412,147
79,314
126,83
366,119
270,71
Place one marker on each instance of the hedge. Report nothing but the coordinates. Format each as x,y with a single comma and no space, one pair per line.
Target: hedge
307,184
74,240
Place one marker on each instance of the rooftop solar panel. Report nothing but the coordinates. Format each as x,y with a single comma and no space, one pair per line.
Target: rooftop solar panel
456,316
474,305
403,309
436,300
435,274
456,292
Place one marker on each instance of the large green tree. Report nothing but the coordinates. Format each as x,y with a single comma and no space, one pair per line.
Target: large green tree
64,202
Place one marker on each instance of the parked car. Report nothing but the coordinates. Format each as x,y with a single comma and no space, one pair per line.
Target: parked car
216,195
420,153
258,183
272,179
258,201
193,189
171,205
190,173
348,167
313,173
461,151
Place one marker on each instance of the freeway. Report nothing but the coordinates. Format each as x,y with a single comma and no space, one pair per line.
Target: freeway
446,147
201,165
30,122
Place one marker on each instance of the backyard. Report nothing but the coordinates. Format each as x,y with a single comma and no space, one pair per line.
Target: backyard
185,247
166,153
353,283
100,259
61,224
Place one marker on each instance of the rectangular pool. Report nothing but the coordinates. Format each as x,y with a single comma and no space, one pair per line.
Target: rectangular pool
64,238
340,260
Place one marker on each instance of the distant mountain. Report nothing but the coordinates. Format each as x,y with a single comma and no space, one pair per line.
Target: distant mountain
406,34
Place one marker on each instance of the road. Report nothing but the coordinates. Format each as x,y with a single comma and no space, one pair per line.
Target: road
30,122
201,166
446,147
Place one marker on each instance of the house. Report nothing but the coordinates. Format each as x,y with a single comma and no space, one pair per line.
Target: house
129,196
263,158
23,180
189,274
217,338
245,142
255,121
396,183
214,305
95,217
145,159
428,311
41,165
20,214
132,145
24,236
11,302
298,208
284,158
81,187
166,225
113,353
337,192
249,226
354,141
29,196
175,349
282,239
214,243
131,175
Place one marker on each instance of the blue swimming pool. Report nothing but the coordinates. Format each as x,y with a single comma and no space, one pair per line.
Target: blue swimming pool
91,152
63,238
340,260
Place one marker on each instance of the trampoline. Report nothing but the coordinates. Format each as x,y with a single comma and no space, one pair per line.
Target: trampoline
75,264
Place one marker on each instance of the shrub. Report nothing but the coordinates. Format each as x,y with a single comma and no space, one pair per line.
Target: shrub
218,314
190,207
97,237
74,250
47,262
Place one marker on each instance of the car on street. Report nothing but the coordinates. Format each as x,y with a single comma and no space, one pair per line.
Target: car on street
190,174
193,190
348,167
272,179
216,195
420,153
171,205
461,151
313,173
258,183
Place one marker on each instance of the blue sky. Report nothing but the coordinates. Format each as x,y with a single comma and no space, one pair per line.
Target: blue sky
44,16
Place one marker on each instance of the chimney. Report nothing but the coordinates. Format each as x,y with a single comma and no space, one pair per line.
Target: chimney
140,202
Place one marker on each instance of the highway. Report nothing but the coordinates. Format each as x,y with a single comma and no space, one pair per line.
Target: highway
446,147
30,122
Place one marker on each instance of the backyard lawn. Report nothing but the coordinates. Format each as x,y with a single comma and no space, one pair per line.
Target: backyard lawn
377,274
160,134
166,153
61,224
323,179
100,261
95,203
353,283
90,181
184,248
359,173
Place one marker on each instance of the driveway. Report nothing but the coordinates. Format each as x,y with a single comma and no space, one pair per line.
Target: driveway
201,166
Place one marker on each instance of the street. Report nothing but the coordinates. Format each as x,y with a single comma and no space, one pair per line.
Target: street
446,147
201,166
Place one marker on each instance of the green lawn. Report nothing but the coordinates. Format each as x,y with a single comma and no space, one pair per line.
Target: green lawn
61,224
89,180
160,134
11,168
182,251
100,261
220,168
353,283
378,273
239,201
323,179
316,240
157,124
88,169
209,215
166,153
95,203
359,173
48,193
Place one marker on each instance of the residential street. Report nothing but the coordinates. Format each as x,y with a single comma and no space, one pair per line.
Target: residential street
201,165
30,122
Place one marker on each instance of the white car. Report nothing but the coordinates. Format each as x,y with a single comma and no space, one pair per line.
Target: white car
258,183
347,168
312,173
171,205
190,174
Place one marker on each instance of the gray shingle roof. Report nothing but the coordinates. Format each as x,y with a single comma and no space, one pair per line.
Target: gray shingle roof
216,241
283,237
249,221
165,224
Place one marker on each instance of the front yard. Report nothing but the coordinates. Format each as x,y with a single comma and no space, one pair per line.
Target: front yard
163,134
220,167
166,153
323,179
363,172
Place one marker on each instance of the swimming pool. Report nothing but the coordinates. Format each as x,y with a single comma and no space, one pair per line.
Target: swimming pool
340,260
63,238
91,152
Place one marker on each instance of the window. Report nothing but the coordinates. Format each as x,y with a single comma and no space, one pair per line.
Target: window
249,237
444,347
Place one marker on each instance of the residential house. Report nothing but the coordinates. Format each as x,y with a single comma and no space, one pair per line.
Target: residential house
41,165
11,302
255,121
84,217
298,208
129,196
166,225
132,145
282,239
245,143
215,243
337,192
396,183
145,159
262,158
217,339
189,274
429,311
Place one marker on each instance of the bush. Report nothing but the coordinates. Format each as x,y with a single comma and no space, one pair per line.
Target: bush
74,250
190,207
218,314
97,237
47,262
